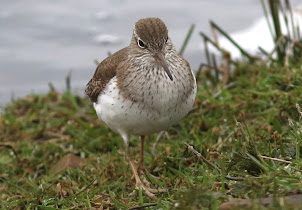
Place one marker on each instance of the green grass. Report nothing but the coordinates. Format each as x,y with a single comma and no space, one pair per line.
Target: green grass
232,127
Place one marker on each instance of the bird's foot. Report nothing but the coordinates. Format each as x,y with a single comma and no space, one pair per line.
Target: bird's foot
143,184
143,171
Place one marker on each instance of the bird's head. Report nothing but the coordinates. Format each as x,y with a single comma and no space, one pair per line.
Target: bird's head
150,37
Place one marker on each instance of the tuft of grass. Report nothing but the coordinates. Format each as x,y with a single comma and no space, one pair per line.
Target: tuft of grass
288,47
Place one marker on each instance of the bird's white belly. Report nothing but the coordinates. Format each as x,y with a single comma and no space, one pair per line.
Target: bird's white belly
158,112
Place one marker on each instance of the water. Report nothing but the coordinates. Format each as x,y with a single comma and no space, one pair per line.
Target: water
41,41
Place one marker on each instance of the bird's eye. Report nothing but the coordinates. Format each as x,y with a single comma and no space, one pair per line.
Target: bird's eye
167,39
141,44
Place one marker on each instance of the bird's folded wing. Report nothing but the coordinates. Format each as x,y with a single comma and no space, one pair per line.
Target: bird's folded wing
105,71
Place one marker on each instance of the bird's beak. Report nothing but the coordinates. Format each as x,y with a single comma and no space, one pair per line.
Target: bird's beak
160,58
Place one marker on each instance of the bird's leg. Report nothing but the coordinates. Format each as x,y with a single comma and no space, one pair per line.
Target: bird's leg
156,141
126,142
140,185
141,162
138,182
141,167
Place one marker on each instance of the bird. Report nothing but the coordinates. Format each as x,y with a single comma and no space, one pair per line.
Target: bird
143,89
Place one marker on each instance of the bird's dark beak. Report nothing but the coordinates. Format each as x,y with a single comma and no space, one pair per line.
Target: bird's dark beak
160,58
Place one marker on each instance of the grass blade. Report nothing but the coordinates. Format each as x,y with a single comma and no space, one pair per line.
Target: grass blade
289,9
206,49
285,20
210,41
257,162
184,45
243,52
267,19
276,21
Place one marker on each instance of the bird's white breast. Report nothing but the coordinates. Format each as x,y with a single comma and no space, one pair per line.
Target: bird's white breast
164,104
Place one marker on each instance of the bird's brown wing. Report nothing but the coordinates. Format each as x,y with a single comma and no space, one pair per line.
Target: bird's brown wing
105,71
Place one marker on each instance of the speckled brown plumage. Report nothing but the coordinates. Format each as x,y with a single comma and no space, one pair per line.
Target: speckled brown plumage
136,81
105,71
144,88
152,31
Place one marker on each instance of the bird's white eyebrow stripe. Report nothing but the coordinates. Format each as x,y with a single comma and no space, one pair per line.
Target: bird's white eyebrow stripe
136,36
